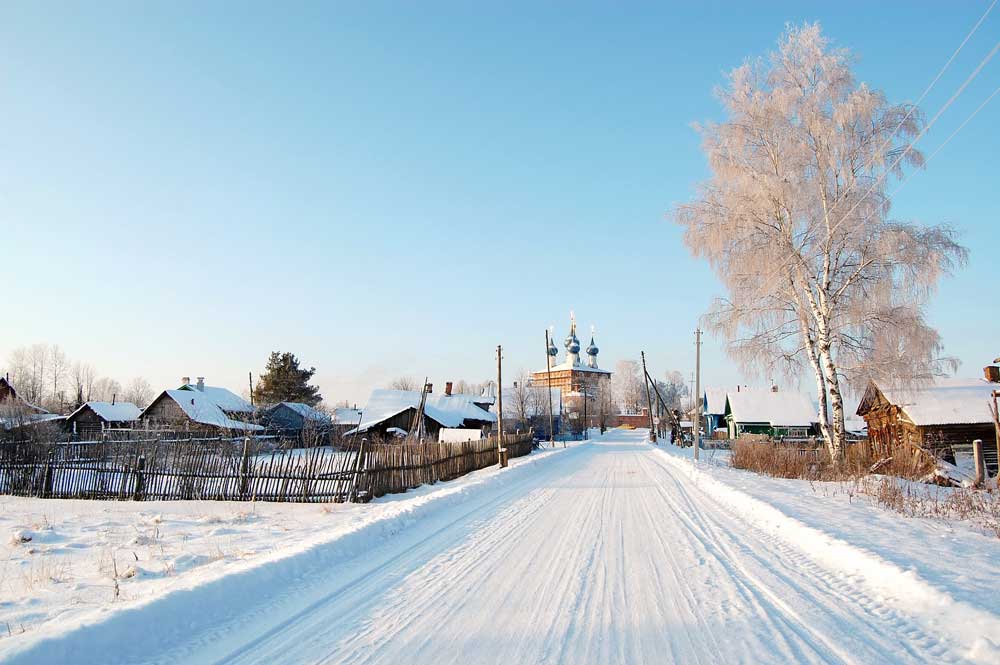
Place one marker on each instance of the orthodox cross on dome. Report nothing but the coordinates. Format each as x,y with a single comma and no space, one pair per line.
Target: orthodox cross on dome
572,343
592,351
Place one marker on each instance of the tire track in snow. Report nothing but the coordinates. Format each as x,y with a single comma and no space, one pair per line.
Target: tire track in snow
606,554
243,653
813,580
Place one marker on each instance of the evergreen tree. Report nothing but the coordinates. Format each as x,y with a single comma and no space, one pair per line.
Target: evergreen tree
284,381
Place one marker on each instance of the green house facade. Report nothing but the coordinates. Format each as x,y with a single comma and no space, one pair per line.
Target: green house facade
770,412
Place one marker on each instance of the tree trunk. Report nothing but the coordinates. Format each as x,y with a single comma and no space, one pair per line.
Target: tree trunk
821,395
836,397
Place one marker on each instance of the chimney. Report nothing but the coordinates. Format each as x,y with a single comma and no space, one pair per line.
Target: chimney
201,383
447,388
185,380
992,373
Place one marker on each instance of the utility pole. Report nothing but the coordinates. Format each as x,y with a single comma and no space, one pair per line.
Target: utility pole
586,396
649,399
697,391
417,427
499,399
548,372
251,389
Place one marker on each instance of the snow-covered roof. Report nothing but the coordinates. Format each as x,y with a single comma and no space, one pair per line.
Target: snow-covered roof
779,409
202,409
29,420
119,412
344,415
945,402
449,410
224,398
306,411
488,400
715,400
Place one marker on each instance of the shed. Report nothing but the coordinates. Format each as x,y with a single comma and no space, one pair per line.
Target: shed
934,418
296,416
396,408
99,416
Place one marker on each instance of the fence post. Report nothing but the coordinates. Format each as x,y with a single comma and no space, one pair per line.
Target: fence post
140,480
980,458
47,479
245,469
353,493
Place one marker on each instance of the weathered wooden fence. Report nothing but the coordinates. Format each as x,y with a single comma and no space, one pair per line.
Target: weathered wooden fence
237,469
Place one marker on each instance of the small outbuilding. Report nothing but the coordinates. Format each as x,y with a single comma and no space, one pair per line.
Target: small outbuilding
100,416
387,409
296,416
934,418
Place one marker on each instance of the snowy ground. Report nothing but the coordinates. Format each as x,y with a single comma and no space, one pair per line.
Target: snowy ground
610,552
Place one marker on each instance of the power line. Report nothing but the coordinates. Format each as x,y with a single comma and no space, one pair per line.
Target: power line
910,145
947,140
916,104
924,131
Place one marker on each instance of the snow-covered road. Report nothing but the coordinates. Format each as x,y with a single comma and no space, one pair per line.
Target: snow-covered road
606,553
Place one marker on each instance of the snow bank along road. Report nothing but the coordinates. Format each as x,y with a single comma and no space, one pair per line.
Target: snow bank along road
609,552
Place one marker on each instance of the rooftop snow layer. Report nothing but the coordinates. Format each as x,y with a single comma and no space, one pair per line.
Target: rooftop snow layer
946,402
345,415
449,410
119,412
202,409
307,412
779,409
715,400
226,399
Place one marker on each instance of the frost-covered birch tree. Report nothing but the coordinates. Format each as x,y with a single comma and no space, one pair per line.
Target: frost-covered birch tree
795,221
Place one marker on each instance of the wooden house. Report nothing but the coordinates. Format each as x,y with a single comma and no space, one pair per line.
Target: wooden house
933,418
773,413
100,416
395,409
200,408
714,411
296,417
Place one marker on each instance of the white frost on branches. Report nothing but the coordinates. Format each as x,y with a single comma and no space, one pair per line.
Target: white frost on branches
795,222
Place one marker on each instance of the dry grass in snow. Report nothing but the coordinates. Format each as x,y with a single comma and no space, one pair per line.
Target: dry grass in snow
58,556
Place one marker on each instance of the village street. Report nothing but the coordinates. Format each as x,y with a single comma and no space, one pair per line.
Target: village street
607,552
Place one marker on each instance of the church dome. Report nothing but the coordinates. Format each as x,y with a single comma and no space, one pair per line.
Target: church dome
592,349
553,351
572,344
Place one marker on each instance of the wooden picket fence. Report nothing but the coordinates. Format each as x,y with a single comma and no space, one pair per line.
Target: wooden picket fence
392,468
238,469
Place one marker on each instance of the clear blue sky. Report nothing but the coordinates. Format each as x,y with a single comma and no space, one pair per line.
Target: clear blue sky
395,188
